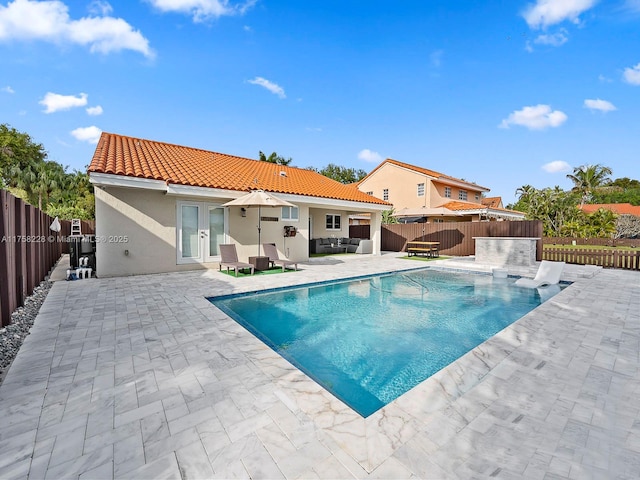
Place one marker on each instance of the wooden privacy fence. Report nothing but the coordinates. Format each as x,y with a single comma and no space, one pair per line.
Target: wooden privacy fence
456,238
626,259
359,231
604,242
28,250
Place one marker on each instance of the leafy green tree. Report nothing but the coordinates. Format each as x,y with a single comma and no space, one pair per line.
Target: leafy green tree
625,182
388,218
17,150
587,178
524,194
620,190
627,226
274,158
25,170
341,174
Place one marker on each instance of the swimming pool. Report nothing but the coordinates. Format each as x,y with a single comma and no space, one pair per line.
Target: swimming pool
369,340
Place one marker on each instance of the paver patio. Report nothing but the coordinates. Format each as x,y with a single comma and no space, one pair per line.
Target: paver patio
142,377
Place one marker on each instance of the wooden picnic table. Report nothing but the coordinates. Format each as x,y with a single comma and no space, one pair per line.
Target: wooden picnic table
430,249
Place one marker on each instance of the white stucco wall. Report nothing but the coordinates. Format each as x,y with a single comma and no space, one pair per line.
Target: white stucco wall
147,220
243,231
136,230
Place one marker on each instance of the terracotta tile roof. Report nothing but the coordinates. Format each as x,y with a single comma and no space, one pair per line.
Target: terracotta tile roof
456,205
618,208
425,171
175,164
492,202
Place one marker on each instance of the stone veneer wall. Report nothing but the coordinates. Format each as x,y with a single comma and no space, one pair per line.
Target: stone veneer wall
506,250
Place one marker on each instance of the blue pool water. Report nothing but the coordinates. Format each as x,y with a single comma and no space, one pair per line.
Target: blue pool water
370,340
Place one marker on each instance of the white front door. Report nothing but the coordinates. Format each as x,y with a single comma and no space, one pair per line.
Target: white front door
200,228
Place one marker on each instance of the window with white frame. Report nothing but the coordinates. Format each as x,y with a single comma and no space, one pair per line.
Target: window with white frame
333,222
477,196
290,214
421,189
385,194
447,192
462,195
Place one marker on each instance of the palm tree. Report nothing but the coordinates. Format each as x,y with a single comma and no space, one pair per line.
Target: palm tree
274,158
587,178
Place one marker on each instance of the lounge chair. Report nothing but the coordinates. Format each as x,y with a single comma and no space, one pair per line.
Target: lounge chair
548,274
271,251
229,259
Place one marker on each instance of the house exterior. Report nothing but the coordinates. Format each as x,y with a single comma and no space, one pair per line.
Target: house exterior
617,208
421,194
159,207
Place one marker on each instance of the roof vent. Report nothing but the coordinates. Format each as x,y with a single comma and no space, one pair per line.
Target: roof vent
283,173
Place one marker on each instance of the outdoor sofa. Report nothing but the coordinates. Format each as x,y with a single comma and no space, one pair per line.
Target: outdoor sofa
351,245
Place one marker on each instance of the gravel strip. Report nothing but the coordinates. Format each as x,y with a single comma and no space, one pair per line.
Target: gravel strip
12,336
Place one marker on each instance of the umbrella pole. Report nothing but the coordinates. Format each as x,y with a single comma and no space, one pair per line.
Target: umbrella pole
259,210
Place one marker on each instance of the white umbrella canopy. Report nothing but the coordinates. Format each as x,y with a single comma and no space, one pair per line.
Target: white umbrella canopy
258,198
425,212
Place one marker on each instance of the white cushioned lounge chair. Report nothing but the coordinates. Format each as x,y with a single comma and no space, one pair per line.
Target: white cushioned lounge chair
548,274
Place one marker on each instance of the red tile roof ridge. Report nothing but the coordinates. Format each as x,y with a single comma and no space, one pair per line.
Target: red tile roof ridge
618,208
424,171
177,164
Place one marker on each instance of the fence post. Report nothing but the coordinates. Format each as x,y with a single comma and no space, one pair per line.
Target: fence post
6,307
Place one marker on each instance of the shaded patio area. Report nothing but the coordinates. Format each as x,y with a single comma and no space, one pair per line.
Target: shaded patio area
142,377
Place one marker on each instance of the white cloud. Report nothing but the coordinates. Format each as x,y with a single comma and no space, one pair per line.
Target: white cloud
556,166
203,10
554,40
632,75
536,117
55,102
369,156
550,12
272,87
8,89
598,104
94,111
604,79
87,134
49,21
98,7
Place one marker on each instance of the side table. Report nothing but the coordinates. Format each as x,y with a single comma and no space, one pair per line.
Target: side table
259,263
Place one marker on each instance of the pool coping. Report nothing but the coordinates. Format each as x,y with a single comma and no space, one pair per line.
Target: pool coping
551,394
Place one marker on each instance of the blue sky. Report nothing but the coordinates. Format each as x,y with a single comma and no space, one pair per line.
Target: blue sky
499,93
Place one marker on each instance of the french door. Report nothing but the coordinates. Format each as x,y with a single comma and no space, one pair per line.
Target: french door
201,227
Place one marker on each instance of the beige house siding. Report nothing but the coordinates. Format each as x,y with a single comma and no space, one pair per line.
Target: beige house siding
402,184
136,230
147,220
243,231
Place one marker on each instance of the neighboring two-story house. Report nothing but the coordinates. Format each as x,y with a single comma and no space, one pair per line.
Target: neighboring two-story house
423,195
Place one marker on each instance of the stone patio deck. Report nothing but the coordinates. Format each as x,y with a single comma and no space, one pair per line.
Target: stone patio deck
142,377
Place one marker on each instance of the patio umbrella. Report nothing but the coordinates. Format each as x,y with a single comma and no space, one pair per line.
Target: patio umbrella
425,212
258,198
